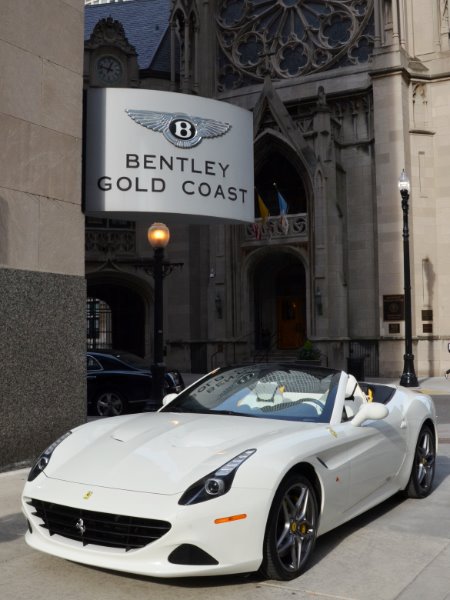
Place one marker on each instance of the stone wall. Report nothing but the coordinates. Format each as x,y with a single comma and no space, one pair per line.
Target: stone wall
42,286
42,380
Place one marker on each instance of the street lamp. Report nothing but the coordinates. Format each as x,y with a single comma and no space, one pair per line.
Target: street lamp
408,378
158,236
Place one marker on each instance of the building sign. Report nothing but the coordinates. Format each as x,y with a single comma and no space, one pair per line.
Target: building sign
170,155
394,308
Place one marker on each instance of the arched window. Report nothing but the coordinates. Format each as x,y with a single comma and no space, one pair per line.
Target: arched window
115,317
277,169
99,325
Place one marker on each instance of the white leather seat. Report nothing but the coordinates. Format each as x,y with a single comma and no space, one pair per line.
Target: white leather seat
354,397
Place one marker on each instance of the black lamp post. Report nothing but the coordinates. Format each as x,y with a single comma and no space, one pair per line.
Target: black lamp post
158,236
408,378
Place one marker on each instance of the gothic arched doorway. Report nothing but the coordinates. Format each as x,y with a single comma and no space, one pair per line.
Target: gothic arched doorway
115,318
279,285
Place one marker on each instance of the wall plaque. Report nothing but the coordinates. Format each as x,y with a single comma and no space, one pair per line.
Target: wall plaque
394,308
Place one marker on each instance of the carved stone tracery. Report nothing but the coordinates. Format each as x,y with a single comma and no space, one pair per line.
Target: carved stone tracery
290,38
109,32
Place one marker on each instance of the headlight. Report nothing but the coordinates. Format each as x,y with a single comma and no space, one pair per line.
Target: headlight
44,458
217,483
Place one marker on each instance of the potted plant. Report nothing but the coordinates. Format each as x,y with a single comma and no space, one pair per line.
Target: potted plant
309,352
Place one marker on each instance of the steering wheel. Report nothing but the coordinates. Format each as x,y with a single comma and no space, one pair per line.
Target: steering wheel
318,405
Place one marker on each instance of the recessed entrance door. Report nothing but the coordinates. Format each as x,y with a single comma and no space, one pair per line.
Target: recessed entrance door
124,325
280,303
291,327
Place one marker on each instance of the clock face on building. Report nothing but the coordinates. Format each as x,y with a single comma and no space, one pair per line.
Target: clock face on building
109,69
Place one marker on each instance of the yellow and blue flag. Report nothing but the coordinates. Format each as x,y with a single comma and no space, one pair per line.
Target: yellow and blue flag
284,223
263,210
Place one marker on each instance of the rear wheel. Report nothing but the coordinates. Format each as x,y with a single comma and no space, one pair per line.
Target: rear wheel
291,529
422,473
110,403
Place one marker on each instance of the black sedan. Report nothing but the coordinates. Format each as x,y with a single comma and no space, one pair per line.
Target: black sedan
120,382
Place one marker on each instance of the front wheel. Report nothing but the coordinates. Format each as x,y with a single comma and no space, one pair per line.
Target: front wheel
110,403
291,529
422,473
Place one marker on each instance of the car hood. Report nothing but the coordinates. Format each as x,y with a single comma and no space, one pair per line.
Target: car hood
160,453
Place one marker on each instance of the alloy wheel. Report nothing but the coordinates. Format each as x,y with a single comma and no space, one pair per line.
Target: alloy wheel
425,460
109,404
422,473
292,529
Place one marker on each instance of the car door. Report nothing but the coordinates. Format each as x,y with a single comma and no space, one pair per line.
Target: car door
93,369
377,450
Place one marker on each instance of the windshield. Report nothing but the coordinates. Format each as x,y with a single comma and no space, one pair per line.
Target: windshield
271,391
131,359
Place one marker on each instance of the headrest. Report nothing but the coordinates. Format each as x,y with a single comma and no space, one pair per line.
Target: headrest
265,391
351,386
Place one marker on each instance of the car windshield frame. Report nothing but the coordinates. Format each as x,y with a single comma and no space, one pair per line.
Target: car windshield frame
114,360
289,392
131,360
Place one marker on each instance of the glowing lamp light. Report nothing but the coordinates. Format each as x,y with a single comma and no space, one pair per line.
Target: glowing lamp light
158,235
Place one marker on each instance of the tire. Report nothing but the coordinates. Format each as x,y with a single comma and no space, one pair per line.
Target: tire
291,529
420,482
110,403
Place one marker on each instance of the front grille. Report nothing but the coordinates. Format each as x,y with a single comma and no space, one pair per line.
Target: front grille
102,529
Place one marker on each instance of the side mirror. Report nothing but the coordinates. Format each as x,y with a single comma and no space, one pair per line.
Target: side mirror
168,398
372,411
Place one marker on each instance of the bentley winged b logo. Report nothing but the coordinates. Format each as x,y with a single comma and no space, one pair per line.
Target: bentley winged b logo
179,129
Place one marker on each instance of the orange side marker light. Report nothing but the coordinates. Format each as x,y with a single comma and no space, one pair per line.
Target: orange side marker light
229,519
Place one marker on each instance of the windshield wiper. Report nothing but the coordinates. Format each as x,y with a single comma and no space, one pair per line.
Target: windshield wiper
183,409
231,412
206,411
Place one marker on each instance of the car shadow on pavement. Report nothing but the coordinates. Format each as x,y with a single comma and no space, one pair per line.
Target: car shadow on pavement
210,581
442,470
329,541
12,527
326,543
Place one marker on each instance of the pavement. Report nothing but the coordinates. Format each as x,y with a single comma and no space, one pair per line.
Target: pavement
398,551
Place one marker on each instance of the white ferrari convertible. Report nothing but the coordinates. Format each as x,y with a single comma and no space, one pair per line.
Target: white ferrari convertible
240,472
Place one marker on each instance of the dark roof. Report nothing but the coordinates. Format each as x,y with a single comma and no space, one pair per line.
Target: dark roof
161,59
145,22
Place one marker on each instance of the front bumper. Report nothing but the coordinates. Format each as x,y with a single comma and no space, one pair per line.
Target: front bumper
236,546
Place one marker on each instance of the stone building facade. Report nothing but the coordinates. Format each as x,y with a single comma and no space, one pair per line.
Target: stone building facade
344,94
42,298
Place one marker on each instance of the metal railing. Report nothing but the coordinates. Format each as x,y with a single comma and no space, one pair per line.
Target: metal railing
292,227
111,241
